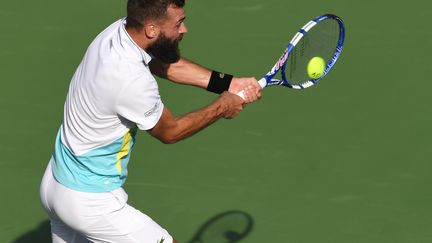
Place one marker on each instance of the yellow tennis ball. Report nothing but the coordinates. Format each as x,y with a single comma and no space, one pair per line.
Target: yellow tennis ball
316,67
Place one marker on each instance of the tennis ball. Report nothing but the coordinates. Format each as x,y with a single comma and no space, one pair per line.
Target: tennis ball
316,67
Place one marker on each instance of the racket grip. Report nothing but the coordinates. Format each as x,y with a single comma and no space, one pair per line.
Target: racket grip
262,82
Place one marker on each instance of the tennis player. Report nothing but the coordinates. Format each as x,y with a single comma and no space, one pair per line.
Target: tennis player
112,94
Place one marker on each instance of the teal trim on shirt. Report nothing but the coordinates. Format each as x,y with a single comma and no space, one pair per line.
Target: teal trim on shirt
94,171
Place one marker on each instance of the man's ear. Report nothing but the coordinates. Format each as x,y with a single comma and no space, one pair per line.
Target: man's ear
151,30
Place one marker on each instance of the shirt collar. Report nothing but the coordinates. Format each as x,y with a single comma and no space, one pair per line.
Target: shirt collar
145,56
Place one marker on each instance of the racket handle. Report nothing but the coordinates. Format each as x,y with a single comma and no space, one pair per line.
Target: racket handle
262,82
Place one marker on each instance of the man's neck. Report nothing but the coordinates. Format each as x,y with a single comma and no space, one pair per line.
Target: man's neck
138,37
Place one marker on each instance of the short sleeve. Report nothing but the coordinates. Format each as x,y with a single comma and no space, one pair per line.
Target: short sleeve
140,102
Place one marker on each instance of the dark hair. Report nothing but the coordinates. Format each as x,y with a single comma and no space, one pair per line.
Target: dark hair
140,11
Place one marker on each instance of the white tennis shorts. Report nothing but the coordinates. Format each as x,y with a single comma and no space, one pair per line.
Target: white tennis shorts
96,217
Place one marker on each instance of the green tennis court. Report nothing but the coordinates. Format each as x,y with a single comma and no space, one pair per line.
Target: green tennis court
346,161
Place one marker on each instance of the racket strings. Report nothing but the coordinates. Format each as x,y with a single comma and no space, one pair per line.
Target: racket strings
321,41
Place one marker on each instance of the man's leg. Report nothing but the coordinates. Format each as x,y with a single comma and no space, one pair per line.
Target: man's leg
61,233
125,224
98,217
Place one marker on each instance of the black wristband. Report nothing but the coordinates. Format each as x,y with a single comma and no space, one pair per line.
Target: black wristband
219,82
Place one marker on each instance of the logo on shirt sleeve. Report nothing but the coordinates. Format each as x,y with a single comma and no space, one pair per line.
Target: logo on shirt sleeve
152,110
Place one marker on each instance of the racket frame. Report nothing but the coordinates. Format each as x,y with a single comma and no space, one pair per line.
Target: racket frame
269,80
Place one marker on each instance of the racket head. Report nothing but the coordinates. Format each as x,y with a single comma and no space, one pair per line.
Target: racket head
323,36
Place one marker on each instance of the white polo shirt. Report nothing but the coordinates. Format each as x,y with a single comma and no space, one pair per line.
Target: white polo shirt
112,93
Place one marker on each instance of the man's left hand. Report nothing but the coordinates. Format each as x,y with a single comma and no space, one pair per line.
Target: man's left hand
250,87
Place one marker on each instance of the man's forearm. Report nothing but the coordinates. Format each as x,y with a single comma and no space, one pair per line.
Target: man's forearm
182,72
189,73
193,122
172,129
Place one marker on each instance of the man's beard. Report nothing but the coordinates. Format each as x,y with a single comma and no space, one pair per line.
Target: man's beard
165,49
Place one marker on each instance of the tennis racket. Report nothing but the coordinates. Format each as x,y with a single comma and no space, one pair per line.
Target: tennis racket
321,37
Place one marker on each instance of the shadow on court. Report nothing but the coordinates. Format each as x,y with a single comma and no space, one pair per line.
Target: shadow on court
226,227
38,235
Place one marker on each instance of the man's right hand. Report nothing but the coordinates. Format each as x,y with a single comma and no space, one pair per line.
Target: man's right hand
232,104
